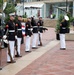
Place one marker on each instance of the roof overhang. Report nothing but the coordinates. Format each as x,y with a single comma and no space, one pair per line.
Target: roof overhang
56,1
31,5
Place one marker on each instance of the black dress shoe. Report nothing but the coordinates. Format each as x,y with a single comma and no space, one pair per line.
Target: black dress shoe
18,56
39,44
11,61
27,51
0,68
62,48
34,48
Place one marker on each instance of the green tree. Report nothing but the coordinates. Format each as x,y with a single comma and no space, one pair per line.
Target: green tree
0,4
10,8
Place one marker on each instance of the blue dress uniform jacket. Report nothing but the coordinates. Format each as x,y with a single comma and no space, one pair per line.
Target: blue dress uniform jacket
35,27
28,29
10,25
63,28
40,26
18,29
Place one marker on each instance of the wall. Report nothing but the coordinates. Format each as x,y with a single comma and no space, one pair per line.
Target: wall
49,22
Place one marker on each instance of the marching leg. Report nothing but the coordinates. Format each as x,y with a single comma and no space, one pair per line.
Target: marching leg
18,46
35,36
40,40
27,44
62,41
10,52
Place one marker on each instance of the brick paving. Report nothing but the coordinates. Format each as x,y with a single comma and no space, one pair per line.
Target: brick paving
53,62
46,38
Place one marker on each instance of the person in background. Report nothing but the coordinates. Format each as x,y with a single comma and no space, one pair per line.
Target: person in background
63,27
40,30
28,33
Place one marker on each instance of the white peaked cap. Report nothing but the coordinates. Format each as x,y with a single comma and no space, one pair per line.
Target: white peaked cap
66,17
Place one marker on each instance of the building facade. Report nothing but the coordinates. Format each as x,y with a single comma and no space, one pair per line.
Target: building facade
46,8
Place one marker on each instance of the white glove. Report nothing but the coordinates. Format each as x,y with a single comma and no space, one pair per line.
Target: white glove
15,37
27,35
31,29
39,32
4,37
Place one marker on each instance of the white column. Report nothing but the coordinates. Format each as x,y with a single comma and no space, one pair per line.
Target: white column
44,10
56,13
73,8
41,12
68,8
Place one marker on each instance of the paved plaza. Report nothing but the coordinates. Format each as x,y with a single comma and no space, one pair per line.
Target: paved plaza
46,60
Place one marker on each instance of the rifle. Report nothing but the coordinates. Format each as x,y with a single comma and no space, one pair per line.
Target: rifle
17,54
40,39
39,34
44,29
0,57
16,32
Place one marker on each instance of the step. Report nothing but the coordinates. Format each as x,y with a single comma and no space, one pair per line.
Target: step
70,36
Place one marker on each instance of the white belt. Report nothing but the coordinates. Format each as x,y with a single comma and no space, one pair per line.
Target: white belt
29,29
19,29
40,26
11,30
35,26
63,28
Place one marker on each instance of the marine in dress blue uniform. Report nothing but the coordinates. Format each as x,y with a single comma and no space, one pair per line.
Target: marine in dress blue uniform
28,33
63,30
35,33
40,30
18,36
10,26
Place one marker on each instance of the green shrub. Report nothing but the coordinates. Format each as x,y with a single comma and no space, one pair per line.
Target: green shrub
71,19
54,15
61,17
58,23
7,19
25,15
